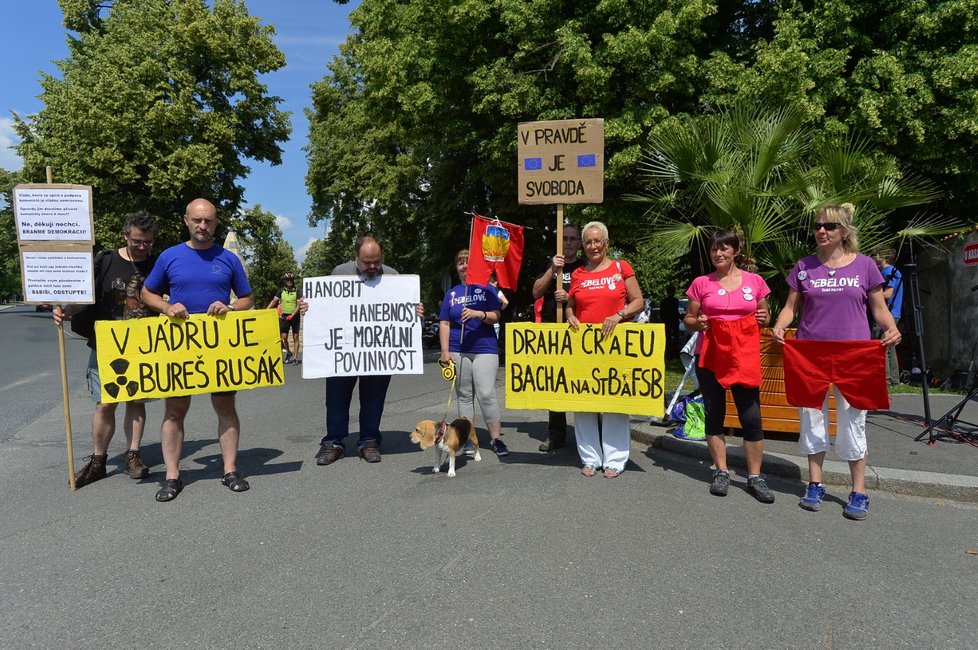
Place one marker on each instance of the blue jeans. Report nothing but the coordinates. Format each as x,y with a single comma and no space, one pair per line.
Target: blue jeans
339,396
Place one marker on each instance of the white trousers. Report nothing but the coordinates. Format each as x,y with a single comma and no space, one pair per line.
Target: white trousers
850,437
603,439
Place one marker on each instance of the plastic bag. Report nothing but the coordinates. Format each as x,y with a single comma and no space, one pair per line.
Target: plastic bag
690,411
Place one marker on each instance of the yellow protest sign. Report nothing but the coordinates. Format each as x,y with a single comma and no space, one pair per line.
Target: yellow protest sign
550,366
172,357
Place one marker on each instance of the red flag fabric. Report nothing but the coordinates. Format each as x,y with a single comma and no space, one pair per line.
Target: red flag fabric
857,368
496,246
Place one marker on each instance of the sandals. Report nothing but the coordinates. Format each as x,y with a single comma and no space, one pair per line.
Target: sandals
589,470
610,472
235,482
171,488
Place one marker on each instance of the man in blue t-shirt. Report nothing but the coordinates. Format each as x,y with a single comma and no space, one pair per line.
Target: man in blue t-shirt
893,295
199,276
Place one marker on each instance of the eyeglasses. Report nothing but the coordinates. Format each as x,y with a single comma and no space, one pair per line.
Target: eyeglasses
829,226
595,242
141,243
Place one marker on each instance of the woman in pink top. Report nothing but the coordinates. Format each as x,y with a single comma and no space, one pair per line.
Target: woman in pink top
730,296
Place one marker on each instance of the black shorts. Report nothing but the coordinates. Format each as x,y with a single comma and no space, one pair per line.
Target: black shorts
284,324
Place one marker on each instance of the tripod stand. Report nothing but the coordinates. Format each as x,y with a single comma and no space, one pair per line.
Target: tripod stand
951,424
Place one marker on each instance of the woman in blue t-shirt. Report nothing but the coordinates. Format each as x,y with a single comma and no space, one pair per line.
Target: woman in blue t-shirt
468,338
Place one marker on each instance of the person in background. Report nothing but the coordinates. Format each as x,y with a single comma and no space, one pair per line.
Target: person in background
119,276
467,339
833,289
199,276
893,295
288,318
605,292
503,300
733,303
669,315
554,296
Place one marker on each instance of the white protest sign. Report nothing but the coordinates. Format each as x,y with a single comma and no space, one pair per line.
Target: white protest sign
360,327
53,213
60,277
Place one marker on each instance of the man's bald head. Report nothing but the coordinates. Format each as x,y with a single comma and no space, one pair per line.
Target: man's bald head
370,256
201,220
198,205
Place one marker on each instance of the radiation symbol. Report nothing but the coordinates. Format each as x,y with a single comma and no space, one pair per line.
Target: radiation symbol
119,367
447,370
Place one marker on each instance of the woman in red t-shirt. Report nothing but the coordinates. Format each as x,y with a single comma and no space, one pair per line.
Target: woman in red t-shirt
602,291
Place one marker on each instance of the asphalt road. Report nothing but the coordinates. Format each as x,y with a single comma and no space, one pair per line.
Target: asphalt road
515,552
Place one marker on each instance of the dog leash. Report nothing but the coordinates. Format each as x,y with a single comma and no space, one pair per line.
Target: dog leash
449,374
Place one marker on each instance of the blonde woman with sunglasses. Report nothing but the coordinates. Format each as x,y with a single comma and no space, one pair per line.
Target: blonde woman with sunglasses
833,289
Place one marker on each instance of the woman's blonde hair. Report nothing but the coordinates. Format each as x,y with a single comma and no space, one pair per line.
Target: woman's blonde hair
844,214
462,254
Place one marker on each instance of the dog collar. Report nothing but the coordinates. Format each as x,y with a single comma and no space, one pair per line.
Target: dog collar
442,428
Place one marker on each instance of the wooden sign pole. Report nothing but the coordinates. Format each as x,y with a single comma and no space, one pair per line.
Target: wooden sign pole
64,386
560,251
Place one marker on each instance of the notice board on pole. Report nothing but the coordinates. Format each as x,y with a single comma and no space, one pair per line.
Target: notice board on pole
561,161
55,235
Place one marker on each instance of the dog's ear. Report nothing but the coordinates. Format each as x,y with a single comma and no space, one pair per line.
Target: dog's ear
424,433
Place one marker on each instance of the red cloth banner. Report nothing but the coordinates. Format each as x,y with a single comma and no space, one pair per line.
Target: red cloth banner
732,350
857,368
495,246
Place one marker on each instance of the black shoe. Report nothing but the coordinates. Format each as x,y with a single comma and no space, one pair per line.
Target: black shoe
329,453
552,444
370,451
758,487
92,471
720,484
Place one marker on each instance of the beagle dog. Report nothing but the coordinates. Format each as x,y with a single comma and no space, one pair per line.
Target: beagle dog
450,439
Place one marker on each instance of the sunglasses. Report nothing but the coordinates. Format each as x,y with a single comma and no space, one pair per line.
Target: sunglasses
829,226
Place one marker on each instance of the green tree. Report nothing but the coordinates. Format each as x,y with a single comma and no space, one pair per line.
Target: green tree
414,124
10,279
158,102
764,173
265,251
322,258
902,73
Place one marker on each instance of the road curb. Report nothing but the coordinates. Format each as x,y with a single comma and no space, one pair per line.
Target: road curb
900,481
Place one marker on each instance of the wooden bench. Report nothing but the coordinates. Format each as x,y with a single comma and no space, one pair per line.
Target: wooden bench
776,413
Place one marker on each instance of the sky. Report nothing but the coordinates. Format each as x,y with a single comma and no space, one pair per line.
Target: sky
309,32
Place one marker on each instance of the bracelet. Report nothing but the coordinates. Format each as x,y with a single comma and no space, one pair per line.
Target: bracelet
621,312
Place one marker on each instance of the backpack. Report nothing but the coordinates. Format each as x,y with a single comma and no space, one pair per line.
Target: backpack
83,323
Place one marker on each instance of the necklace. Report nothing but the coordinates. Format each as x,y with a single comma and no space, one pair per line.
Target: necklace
831,269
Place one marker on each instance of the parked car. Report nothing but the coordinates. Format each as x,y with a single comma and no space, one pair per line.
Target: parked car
44,307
